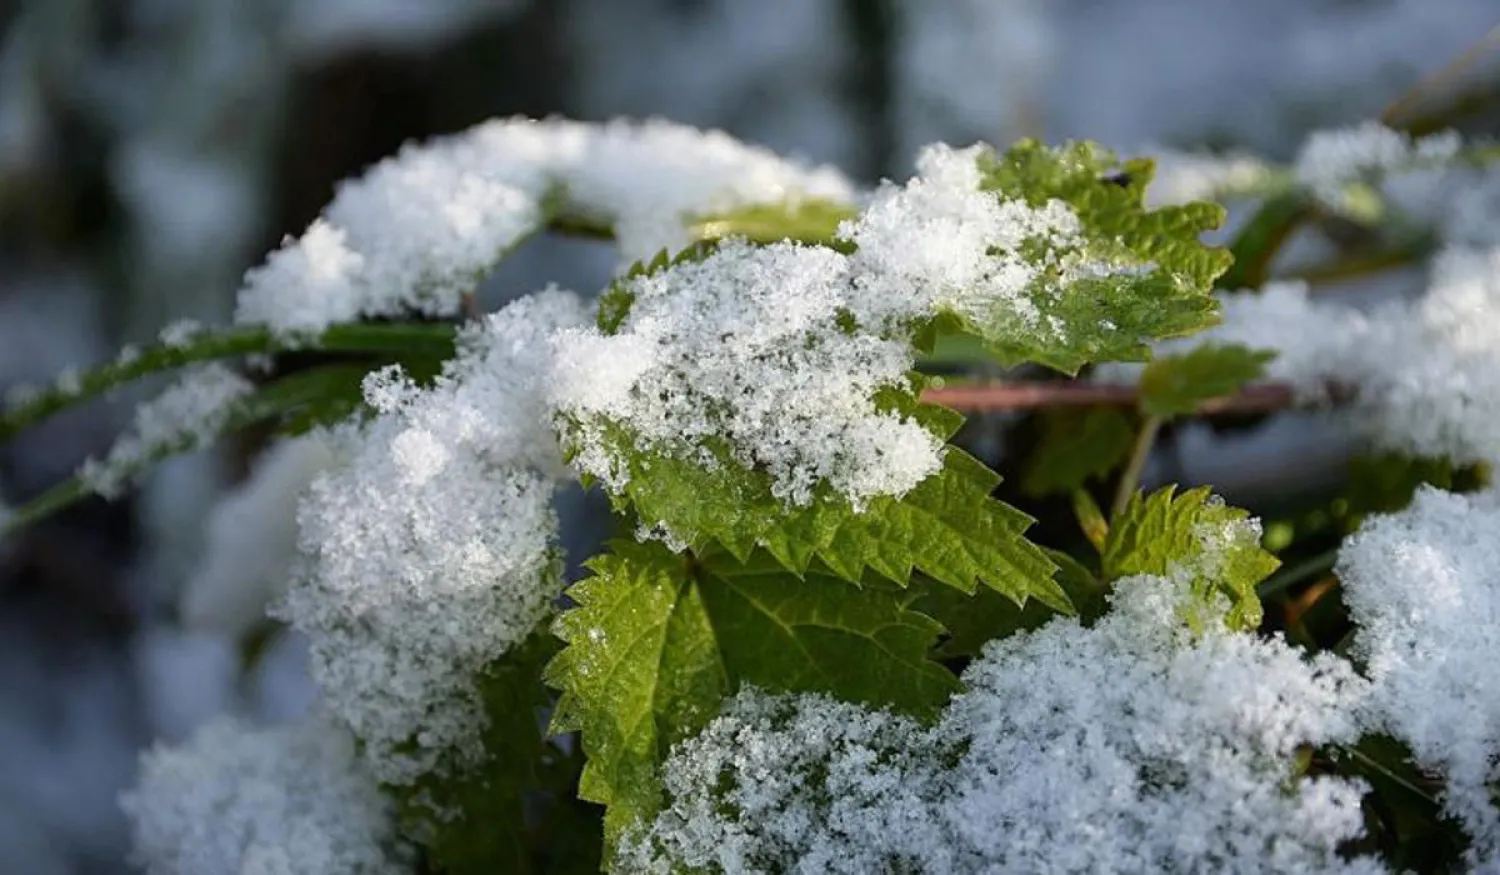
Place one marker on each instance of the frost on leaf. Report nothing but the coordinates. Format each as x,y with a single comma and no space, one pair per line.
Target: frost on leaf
289,801
1133,276
1132,746
1197,536
1423,589
658,640
418,231
738,399
1047,255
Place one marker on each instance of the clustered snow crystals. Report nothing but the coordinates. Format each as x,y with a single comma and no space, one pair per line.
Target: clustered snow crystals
940,243
262,802
1423,587
780,350
419,230
1132,746
747,347
430,552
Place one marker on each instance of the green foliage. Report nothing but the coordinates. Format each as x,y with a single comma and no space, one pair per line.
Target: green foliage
659,639
1075,446
1162,533
1175,385
948,526
1160,275
1386,482
1261,237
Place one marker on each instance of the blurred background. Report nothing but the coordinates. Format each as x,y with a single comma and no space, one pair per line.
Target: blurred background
152,150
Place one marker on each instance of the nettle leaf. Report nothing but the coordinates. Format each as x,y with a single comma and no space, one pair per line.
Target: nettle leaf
491,834
1154,276
1163,533
1077,446
658,640
947,527
1174,385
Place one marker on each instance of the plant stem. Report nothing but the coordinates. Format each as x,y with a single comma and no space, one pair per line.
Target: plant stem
1402,113
1263,398
434,338
1130,478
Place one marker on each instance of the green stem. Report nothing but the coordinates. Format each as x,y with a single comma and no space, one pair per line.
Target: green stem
425,338
1130,478
270,402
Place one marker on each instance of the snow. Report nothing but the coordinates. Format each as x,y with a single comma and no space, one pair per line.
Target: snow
1133,746
188,413
419,231
1423,589
240,801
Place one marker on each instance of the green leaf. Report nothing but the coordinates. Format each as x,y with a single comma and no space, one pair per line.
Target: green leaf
1077,445
1261,238
1154,276
948,526
1174,385
811,220
1386,482
1090,518
658,640
491,834
1162,533
974,619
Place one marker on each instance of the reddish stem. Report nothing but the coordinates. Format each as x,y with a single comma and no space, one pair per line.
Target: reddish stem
1262,398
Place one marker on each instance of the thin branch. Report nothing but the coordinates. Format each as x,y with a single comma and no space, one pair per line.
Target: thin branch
997,397
1394,114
